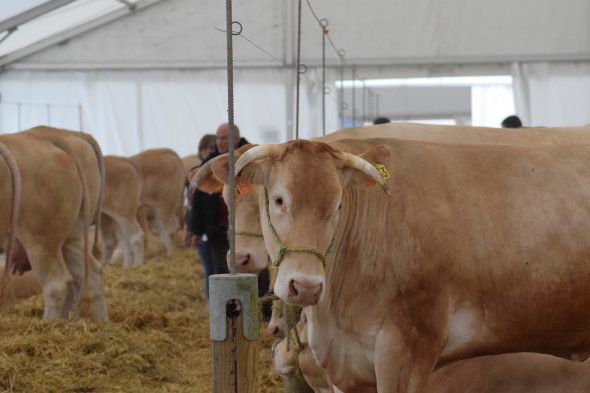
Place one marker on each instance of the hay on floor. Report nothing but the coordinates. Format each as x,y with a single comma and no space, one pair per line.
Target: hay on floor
157,339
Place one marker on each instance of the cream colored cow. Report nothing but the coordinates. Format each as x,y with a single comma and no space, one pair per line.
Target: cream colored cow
54,215
163,181
122,200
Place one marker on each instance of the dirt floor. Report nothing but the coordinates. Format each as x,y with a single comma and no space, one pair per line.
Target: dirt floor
157,339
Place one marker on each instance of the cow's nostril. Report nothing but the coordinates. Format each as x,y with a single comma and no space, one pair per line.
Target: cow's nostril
246,260
292,288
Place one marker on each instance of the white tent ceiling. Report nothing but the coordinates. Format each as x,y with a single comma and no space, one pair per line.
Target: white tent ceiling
182,33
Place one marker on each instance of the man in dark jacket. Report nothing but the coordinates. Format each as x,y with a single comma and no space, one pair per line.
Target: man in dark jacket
209,215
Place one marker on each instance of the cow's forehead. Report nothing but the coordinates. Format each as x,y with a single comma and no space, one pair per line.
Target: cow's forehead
311,179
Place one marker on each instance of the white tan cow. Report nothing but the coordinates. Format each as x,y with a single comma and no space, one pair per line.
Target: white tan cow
163,181
54,215
504,373
468,231
122,200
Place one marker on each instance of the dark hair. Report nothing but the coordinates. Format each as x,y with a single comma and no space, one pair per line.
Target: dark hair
208,140
512,122
381,120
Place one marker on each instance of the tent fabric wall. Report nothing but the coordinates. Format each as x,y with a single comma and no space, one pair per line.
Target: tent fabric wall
552,94
131,111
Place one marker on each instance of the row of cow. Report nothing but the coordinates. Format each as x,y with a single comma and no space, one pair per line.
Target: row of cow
477,247
58,188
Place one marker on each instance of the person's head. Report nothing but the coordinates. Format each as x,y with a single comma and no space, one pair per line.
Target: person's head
512,122
381,120
222,137
206,146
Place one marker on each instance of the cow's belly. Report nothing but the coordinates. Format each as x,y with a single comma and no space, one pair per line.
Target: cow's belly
470,335
348,360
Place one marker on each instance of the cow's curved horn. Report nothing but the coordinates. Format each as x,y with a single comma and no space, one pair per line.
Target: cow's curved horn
202,171
256,153
365,166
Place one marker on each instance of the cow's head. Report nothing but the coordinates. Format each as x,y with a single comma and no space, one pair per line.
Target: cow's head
212,177
302,187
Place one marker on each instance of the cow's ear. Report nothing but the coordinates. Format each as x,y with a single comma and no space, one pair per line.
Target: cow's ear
220,169
207,182
371,169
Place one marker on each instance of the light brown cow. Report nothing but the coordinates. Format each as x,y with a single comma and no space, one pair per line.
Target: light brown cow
122,200
251,255
469,256
88,155
52,228
504,373
190,162
163,181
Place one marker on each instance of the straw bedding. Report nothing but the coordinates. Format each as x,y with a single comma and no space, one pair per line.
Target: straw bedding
157,339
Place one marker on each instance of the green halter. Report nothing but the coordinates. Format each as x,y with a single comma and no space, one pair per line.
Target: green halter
246,233
283,248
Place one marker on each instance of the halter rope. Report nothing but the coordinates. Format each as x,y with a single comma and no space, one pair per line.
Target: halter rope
283,248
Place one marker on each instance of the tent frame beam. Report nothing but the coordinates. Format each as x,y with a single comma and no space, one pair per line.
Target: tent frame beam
73,32
42,9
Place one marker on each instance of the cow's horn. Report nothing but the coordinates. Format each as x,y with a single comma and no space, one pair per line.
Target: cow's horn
256,153
202,171
365,166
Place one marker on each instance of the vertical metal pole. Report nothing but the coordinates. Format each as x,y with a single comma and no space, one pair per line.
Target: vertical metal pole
324,81
341,92
353,96
230,112
364,101
377,109
48,107
19,106
289,53
298,70
324,25
80,118
140,134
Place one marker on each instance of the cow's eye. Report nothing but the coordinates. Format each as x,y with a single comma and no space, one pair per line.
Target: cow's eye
279,201
340,206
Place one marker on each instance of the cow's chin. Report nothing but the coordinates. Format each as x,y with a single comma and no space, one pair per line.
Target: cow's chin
298,289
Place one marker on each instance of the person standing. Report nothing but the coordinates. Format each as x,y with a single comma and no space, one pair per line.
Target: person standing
206,147
207,221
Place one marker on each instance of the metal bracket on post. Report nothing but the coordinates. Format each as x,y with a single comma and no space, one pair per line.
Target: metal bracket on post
226,287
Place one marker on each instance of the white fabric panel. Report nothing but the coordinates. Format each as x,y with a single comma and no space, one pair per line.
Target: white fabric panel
310,116
491,104
553,94
131,111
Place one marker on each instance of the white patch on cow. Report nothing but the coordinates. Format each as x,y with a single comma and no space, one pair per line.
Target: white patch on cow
461,329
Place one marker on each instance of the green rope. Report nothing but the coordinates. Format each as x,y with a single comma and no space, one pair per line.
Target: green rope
284,249
246,233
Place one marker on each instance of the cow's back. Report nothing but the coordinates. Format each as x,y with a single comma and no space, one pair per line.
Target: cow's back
465,134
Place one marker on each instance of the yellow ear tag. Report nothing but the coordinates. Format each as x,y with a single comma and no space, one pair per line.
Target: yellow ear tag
382,170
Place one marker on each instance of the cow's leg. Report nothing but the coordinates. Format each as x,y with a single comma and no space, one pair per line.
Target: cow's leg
165,231
126,246
404,362
95,292
73,252
132,236
50,269
107,228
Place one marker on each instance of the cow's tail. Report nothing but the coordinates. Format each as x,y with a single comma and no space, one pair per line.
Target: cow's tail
65,147
97,249
14,208
85,219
